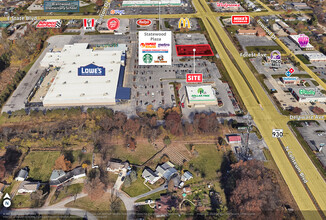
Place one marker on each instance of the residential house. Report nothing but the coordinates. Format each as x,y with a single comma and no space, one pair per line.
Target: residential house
116,167
166,170
186,176
28,187
58,177
22,175
150,176
233,139
164,204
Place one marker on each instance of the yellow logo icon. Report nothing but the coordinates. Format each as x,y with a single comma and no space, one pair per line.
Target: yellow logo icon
184,22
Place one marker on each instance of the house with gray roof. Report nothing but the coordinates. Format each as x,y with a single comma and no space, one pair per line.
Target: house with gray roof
58,177
28,187
186,176
22,175
166,170
150,176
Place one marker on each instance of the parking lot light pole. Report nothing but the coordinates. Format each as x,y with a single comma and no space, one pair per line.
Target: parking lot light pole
159,15
194,59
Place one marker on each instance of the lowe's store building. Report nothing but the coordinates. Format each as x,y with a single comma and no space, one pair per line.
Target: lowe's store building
86,77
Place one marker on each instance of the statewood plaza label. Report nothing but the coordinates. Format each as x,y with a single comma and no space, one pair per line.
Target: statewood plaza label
154,47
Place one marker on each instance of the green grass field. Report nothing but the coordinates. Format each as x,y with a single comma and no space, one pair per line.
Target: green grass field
136,188
209,160
21,201
101,205
303,59
142,153
40,164
264,49
67,191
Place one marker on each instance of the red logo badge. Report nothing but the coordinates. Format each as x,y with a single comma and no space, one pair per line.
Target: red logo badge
240,19
113,24
144,22
194,78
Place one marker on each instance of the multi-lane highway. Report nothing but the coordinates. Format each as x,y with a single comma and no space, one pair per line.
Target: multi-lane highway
267,118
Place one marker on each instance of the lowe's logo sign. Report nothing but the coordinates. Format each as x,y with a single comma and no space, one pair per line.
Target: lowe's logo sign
91,70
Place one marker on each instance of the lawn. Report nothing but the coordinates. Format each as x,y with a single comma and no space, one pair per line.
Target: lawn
264,49
143,152
208,161
67,191
40,164
21,201
315,83
303,59
136,188
99,206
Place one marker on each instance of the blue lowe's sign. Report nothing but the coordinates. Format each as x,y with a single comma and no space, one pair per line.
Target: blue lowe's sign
91,70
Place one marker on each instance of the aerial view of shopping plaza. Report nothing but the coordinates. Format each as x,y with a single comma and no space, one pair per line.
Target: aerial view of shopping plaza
163,109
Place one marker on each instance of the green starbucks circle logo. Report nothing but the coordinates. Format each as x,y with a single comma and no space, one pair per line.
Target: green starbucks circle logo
147,58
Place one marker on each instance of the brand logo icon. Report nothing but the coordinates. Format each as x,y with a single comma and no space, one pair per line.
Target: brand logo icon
91,70
89,24
310,92
148,45
184,22
113,24
117,12
276,58
194,78
289,72
49,24
144,22
200,91
303,40
226,5
148,58
160,59
240,19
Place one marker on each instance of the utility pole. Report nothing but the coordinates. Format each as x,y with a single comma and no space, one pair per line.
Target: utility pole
194,59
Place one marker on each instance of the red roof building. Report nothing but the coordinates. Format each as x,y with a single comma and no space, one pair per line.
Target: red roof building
233,139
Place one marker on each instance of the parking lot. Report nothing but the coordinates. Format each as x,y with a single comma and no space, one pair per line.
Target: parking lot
253,40
315,135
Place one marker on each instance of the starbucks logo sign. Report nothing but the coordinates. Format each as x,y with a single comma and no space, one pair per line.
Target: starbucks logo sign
147,58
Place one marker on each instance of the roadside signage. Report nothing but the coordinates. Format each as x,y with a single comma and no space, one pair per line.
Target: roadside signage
154,48
194,78
61,6
113,24
240,19
201,50
277,133
49,24
89,24
91,70
117,12
184,22
289,72
144,22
